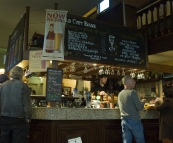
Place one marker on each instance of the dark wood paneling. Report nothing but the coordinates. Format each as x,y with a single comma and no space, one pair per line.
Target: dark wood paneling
90,131
151,130
161,44
111,132
115,15
40,131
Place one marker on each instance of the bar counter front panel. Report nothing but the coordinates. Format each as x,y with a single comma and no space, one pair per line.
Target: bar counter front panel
58,125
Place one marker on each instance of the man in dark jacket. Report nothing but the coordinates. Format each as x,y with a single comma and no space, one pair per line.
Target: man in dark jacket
101,86
3,78
15,108
166,116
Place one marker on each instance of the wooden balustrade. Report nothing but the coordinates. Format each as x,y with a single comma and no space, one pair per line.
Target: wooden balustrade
156,20
163,23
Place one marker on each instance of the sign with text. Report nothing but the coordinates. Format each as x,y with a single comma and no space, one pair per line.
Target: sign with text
53,48
15,45
95,41
54,85
35,62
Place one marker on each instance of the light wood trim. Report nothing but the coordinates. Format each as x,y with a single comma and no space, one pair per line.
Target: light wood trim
160,68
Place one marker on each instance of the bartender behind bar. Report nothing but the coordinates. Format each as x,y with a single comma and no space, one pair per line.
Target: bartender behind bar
101,86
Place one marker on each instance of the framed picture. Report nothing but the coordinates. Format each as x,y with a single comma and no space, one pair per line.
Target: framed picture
67,90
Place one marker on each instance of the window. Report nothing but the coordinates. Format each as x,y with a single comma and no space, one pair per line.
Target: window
103,6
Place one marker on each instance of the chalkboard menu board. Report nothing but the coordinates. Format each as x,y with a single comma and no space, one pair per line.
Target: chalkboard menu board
15,45
98,42
54,84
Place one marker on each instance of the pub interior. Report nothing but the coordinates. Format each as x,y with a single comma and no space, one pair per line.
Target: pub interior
67,117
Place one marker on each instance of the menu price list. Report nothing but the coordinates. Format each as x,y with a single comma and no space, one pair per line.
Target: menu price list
104,44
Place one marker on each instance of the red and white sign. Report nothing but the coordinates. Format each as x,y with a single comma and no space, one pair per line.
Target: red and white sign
53,48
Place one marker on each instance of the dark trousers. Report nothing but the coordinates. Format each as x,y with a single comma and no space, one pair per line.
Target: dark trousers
15,133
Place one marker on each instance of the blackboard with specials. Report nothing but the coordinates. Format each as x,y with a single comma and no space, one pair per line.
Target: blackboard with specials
95,41
54,84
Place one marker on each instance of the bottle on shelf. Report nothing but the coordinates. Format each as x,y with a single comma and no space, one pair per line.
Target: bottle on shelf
98,96
50,39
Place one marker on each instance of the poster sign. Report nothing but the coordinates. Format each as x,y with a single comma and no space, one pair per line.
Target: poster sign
53,48
35,62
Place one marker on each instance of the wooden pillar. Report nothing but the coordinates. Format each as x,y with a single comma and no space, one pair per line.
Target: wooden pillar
152,23
26,28
141,19
171,17
164,18
54,65
158,21
146,23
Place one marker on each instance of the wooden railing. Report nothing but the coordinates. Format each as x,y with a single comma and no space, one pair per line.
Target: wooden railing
156,19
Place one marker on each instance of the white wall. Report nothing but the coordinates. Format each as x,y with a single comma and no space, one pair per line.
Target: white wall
36,83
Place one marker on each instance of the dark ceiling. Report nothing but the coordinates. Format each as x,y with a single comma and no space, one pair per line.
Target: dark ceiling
11,12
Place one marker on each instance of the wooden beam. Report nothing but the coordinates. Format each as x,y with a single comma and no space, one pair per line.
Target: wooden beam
160,68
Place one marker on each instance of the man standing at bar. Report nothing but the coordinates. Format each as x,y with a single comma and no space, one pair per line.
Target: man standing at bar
130,106
15,108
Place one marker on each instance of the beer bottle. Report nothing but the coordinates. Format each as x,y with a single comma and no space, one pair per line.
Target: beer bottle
98,96
50,39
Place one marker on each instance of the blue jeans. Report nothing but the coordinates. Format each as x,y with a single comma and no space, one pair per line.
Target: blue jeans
132,128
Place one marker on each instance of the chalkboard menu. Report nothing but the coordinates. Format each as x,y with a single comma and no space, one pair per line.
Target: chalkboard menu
54,84
98,42
15,45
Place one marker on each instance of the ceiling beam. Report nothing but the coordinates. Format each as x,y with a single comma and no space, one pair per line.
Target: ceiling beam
160,68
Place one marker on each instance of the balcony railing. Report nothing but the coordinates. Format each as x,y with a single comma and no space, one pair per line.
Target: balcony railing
156,19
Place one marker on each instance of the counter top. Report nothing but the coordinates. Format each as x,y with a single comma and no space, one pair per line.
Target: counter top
54,113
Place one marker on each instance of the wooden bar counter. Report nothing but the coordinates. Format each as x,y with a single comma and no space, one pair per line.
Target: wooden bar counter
57,125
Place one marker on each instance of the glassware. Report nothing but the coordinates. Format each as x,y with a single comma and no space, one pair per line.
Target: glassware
118,71
111,40
88,99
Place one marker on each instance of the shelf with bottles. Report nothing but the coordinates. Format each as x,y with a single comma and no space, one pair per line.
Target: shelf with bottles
36,42
148,80
105,98
149,76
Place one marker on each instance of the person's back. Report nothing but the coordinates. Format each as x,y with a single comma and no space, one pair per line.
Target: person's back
130,105
166,116
12,99
15,109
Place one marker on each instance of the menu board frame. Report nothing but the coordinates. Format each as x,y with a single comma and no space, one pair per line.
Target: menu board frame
54,92
16,42
132,51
